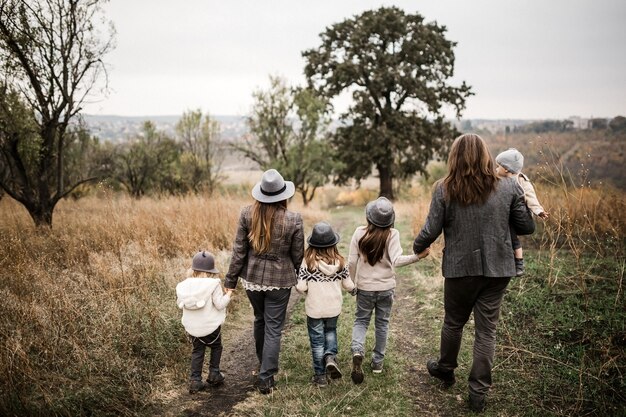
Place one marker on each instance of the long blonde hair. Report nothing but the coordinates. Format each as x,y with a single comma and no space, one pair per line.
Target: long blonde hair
471,172
373,243
329,255
263,217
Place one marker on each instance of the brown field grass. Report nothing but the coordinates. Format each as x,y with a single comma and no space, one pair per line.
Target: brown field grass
88,316
88,319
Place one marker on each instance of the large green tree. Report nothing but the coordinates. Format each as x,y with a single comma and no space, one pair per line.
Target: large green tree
397,69
201,162
288,132
147,162
51,60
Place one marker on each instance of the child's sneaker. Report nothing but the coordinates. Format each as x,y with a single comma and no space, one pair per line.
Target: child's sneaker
331,367
377,367
320,380
519,267
215,378
195,386
357,368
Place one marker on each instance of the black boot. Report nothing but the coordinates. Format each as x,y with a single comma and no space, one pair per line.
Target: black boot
446,376
215,377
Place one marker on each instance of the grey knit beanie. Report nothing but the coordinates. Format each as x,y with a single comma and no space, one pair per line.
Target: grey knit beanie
205,262
512,160
380,212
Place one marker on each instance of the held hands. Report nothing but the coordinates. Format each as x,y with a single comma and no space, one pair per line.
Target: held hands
423,253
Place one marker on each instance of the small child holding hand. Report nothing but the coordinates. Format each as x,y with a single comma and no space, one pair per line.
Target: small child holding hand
203,302
322,276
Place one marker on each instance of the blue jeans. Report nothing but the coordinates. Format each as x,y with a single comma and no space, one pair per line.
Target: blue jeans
323,337
368,302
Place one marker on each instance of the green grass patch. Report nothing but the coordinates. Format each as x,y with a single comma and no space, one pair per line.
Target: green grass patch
562,342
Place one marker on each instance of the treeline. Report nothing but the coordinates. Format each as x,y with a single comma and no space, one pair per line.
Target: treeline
615,125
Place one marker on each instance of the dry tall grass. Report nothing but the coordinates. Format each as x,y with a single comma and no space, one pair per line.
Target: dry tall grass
87,315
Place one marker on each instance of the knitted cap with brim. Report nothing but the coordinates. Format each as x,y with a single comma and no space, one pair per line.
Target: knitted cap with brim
323,236
380,212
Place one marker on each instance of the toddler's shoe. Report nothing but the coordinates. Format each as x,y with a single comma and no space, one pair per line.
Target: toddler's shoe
331,367
519,267
357,368
377,367
195,386
215,378
320,380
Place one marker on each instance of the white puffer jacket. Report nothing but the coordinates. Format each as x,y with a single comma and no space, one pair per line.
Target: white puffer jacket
203,303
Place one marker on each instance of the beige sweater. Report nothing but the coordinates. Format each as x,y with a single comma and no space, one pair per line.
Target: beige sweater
381,276
323,289
529,194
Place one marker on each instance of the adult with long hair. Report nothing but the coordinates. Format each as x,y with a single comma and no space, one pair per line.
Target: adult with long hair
267,252
474,208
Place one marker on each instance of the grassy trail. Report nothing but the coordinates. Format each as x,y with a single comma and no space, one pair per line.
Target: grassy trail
403,389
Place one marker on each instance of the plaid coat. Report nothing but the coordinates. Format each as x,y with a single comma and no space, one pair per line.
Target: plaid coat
278,267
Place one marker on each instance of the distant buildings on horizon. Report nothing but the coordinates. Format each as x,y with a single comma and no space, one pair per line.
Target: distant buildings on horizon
120,128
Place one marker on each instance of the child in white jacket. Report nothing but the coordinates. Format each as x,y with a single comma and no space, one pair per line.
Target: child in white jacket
204,309
322,276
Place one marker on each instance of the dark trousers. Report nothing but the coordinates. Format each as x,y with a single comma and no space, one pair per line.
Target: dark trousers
515,242
270,310
212,341
483,296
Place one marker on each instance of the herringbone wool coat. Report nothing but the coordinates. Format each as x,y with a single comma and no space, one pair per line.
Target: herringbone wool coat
278,267
477,237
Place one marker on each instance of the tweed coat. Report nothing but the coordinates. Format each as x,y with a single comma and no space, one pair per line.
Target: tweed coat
278,267
477,237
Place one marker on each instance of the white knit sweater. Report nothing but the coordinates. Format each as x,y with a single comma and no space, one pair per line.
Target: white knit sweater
323,289
381,276
203,303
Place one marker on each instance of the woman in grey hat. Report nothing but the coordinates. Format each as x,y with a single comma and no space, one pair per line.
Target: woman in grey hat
375,252
473,208
267,252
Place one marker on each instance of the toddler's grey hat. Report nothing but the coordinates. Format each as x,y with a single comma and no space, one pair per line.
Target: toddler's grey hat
512,160
273,188
205,262
323,236
380,212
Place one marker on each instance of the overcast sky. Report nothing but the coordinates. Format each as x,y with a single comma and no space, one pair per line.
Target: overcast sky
524,59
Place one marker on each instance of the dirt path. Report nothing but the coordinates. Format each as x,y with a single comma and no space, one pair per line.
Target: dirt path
238,363
416,301
415,297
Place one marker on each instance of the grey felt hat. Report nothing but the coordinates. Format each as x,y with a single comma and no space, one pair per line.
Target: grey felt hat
205,262
273,188
380,212
512,160
323,236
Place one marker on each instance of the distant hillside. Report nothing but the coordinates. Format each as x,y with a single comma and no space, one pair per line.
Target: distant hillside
119,128
588,157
